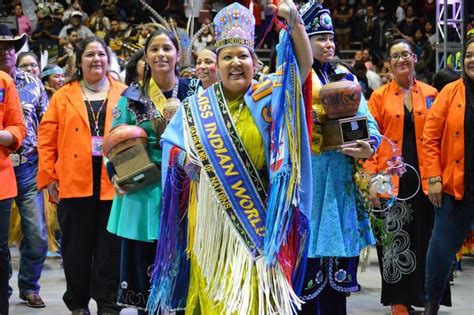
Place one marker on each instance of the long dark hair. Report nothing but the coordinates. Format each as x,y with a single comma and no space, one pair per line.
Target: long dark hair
131,69
81,47
147,73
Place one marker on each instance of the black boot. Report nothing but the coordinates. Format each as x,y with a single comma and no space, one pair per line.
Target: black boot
431,308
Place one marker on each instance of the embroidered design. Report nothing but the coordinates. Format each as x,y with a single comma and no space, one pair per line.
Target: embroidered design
267,115
116,113
143,111
319,277
261,90
340,275
429,101
398,259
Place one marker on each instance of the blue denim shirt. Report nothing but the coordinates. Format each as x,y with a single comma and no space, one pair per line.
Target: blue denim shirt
34,102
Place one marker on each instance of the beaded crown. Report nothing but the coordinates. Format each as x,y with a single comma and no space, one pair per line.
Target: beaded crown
234,25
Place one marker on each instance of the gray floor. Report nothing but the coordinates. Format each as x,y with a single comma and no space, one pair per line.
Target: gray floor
365,302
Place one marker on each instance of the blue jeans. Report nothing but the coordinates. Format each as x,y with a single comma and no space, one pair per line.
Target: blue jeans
5,209
451,226
34,245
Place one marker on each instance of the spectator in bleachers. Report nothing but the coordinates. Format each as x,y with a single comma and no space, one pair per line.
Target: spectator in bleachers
115,36
342,16
385,73
75,22
370,79
410,23
75,6
400,12
175,10
99,24
29,8
55,9
429,8
363,25
423,50
67,52
205,39
143,35
110,8
361,7
430,32
24,24
367,57
45,36
382,28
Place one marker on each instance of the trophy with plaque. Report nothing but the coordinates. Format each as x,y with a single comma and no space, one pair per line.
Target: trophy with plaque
125,147
340,100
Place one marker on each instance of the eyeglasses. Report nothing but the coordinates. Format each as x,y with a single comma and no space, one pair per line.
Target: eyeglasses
28,65
6,48
404,55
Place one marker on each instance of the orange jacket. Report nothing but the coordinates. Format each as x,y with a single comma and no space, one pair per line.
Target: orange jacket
64,143
10,119
386,105
443,145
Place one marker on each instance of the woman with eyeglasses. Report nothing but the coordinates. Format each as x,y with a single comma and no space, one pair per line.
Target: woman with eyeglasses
400,108
449,160
29,62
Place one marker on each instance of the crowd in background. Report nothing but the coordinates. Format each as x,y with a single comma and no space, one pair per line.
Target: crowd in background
61,34
361,26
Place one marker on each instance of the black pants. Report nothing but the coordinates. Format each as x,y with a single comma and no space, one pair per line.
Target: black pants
90,253
5,209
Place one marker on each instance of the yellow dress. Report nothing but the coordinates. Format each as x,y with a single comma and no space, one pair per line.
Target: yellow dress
198,301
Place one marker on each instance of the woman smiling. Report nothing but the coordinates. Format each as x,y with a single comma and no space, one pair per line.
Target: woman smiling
71,166
219,155
149,104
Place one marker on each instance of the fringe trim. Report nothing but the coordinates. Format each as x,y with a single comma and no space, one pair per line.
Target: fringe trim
225,263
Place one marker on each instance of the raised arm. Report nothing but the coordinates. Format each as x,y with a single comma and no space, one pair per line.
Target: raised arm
301,45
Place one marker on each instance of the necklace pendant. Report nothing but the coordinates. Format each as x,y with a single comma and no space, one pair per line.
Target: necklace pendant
170,108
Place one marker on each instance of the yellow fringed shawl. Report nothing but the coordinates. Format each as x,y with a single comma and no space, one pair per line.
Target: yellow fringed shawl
198,301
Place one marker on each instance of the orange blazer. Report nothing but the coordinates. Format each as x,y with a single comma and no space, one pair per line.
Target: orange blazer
64,143
11,119
386,105
443,144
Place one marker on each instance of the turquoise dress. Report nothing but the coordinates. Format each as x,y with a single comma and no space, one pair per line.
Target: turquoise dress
339,225
135,215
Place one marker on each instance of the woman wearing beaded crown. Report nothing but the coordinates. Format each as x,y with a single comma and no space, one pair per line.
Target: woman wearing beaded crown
237,152
135,216
339,228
